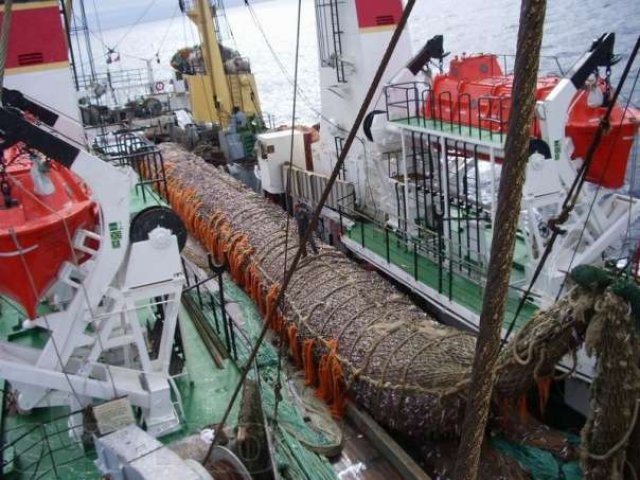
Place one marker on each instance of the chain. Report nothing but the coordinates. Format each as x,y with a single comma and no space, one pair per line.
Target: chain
607,85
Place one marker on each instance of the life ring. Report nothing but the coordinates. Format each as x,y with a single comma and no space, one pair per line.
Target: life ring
159,86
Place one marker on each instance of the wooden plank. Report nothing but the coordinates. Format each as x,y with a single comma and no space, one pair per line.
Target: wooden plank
386,445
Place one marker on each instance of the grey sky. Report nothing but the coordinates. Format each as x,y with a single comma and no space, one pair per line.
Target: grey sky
118,13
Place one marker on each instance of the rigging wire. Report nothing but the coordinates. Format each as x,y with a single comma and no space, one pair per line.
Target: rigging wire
237,50
13,306
76,20
278,382
316,214
284,70
98,23
111,50
224,14
573,193
166,33
136,23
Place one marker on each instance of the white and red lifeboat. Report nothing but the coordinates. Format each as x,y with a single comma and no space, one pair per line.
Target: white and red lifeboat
37,228
475,92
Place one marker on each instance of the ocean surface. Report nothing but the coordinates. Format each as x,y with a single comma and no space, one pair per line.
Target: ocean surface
468,26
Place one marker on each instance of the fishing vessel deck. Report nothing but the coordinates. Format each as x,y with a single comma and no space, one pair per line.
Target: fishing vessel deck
387,247
39,445
453,130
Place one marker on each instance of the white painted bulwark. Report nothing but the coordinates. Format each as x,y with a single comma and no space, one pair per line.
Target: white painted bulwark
274,150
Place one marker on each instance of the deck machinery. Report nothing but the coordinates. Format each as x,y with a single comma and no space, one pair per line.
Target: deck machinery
85,273
100,285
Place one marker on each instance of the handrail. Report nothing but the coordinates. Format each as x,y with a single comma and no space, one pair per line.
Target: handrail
457,264
144,158
505,56
42,440
417,100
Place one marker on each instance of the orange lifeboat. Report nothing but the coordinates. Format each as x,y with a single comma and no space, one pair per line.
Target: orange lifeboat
475,92
37,228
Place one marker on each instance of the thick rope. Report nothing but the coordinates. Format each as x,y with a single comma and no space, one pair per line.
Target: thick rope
620,443
615,392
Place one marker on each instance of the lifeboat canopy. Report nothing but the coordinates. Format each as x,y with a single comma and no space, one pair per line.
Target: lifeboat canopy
44,205
476,92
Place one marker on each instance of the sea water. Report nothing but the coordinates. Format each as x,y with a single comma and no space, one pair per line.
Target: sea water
469,26
267,35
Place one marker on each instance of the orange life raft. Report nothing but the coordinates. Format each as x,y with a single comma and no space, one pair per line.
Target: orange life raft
37,230
475,92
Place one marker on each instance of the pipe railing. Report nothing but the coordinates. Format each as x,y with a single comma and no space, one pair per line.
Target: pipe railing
437,249
418,104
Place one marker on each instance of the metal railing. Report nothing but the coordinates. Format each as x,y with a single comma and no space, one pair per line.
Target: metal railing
213,316
402,100
482,118
124,87
132,150
549,64
433,247
41,449
339,145
116,79
330,36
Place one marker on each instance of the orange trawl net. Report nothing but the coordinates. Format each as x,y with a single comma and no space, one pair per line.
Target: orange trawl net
215,233
353,330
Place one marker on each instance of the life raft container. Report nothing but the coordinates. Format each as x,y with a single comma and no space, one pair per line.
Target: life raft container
37,231
476,93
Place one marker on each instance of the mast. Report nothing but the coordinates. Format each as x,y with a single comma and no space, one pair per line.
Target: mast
215,94
532,13
67,15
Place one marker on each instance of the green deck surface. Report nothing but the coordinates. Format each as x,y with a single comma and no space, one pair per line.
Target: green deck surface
39,445
455,286
143,197
207,390
11,316
457,226
32,455
40,441
464,131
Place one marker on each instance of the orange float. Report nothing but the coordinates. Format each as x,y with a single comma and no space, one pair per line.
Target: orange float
214,231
